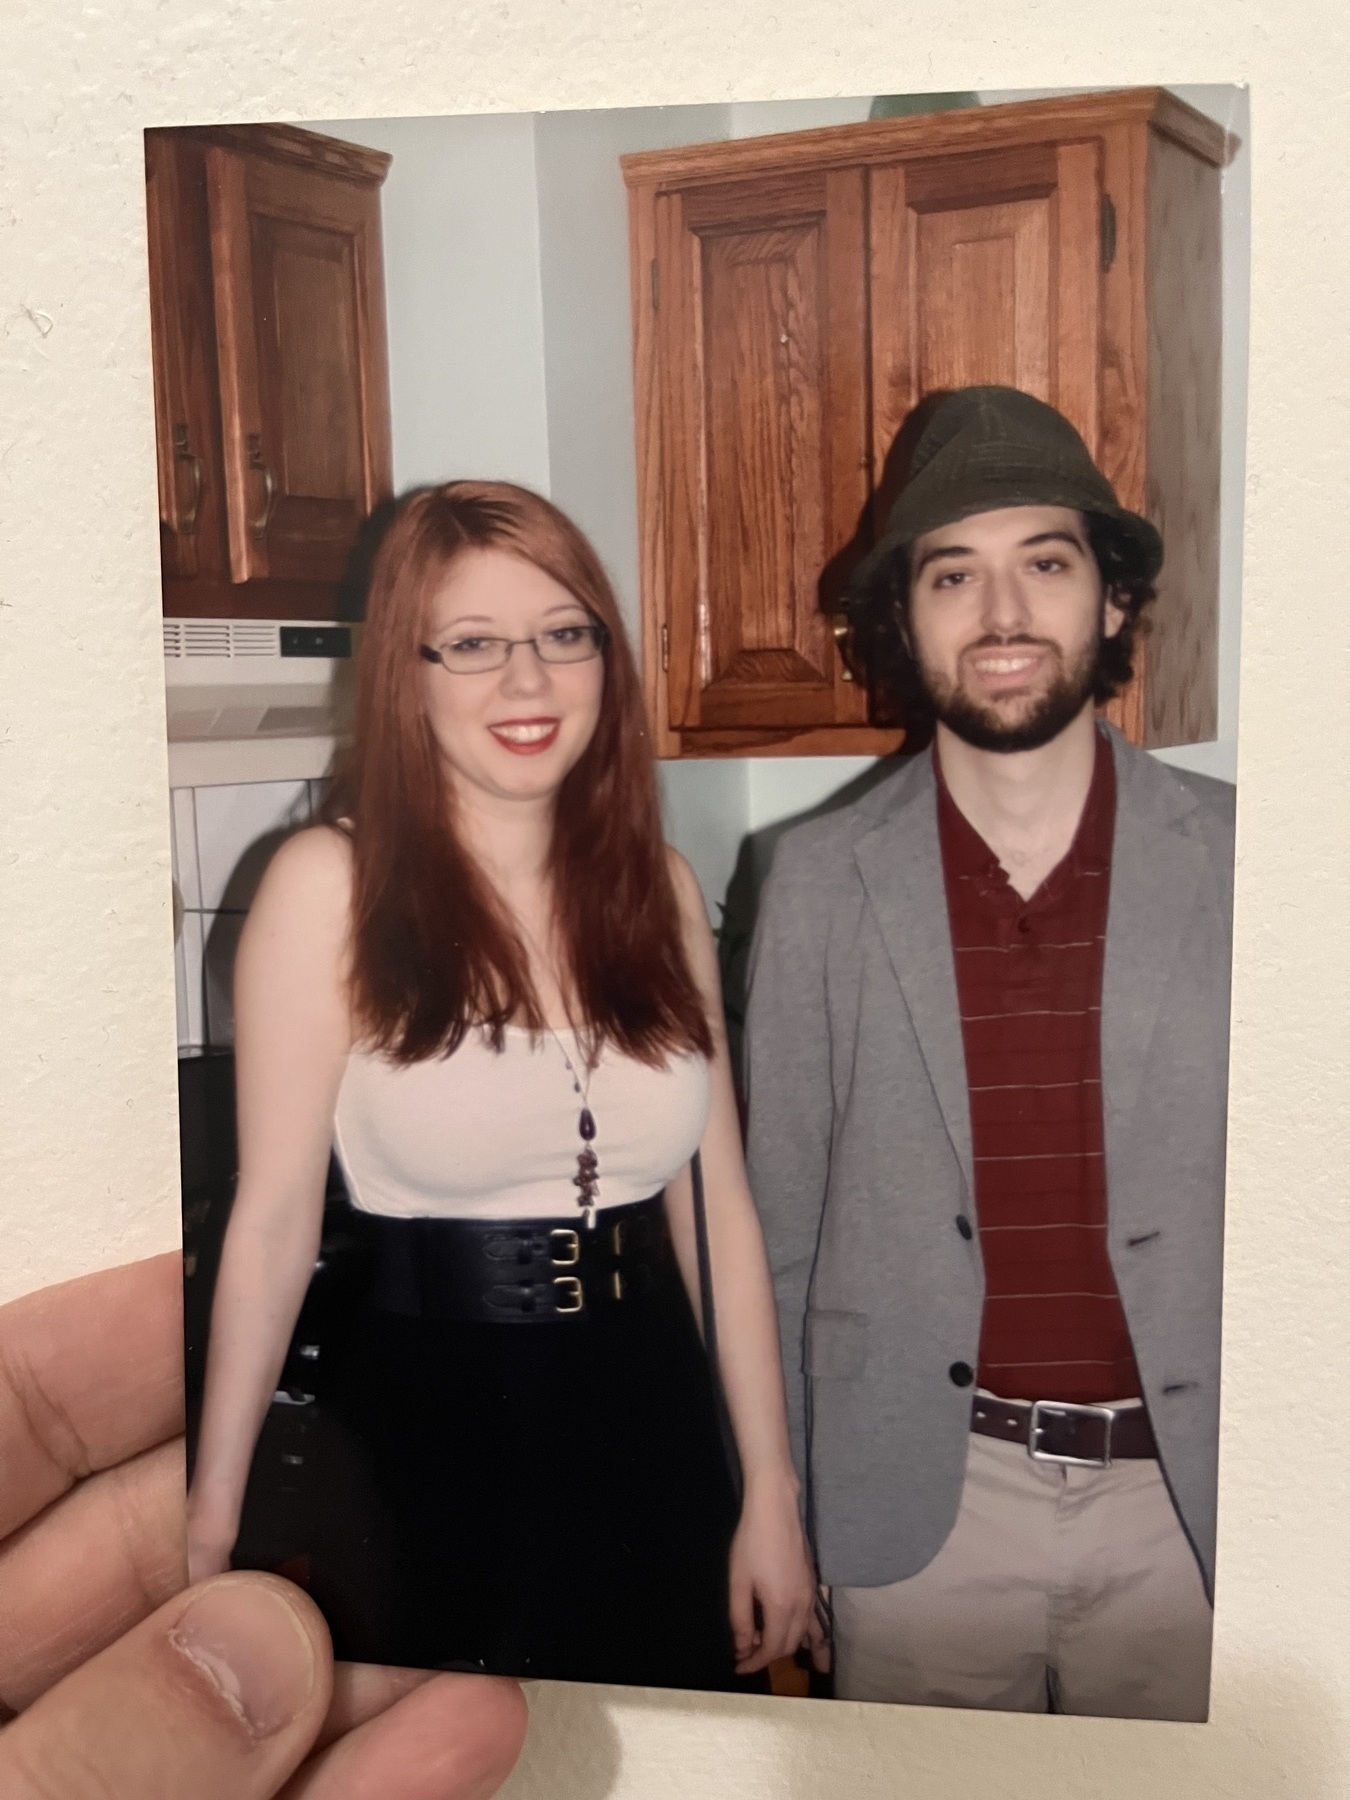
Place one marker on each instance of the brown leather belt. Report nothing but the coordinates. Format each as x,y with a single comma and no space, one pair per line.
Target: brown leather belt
1062,1431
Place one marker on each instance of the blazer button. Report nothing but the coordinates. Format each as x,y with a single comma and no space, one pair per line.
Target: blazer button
964,1226
962,1374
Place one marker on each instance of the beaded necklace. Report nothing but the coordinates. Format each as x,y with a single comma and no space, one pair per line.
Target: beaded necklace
586,1179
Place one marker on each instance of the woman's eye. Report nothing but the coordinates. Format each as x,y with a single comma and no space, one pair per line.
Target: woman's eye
1048,565
951,578
566,634
467,646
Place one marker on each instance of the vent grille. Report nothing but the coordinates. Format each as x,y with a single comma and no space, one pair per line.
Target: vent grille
255,640
220,638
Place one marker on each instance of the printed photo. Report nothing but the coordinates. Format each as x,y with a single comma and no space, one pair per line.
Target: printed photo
700,652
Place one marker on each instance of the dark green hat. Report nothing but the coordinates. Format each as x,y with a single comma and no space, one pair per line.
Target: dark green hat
990,447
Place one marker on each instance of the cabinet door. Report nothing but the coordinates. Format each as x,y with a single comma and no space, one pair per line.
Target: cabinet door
761,340
986,267
300,346
183,354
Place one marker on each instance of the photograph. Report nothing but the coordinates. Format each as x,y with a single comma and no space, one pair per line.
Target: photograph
700,655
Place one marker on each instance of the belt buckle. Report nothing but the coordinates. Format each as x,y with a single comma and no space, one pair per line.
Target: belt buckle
570,1243
573,1291
1065,1409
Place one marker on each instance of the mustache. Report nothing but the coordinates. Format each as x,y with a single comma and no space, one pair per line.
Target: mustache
1019,640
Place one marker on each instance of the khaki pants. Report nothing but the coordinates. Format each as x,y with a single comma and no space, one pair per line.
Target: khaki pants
1064,1589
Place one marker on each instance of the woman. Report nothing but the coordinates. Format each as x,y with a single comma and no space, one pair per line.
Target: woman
489,983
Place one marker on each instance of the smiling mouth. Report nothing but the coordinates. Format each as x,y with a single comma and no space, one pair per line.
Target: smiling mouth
526,737
1005,665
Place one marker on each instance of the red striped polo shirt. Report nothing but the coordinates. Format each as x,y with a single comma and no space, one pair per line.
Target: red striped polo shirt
1029,986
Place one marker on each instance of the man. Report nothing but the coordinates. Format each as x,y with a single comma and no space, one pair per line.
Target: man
987,1063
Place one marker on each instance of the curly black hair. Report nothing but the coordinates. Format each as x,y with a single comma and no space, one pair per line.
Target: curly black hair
878,618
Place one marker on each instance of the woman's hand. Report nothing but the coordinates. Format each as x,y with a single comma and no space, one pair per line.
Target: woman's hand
773,1581
209,1543
226,1692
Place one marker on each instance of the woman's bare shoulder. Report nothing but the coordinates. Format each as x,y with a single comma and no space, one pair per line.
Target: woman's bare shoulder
695,925
687,890
311,872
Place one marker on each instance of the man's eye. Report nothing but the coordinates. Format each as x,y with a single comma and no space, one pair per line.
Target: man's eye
1046,565
950,578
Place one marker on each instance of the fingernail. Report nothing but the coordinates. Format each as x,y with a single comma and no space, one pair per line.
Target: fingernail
248,1644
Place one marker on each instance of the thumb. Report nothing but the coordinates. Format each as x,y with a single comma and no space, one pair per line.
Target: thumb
218,1695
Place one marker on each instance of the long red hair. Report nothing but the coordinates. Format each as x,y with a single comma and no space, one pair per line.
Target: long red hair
432,950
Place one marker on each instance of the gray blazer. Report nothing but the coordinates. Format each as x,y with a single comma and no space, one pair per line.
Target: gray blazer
859,1150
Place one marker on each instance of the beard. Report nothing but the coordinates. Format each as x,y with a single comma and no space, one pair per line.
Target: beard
984,727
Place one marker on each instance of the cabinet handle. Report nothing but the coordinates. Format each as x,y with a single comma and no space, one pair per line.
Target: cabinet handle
839,627
187,521
259,525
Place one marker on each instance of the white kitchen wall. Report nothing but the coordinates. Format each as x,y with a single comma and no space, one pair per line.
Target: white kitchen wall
760,118
460,219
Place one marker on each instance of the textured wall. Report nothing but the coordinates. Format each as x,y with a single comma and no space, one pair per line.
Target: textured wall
87,1049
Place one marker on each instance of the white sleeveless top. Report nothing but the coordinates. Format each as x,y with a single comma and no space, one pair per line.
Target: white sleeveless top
488,1135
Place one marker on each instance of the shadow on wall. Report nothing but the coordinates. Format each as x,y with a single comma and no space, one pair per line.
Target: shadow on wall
222,940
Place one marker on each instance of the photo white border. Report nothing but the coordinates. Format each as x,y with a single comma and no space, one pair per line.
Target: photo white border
87,1050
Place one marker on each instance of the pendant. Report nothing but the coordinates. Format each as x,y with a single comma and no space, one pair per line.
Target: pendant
588,1165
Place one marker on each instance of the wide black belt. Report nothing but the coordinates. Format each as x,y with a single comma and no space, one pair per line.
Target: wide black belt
527,1271
1066,1432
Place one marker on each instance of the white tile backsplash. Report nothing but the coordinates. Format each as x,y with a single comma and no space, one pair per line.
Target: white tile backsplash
183,821
237,829
188,983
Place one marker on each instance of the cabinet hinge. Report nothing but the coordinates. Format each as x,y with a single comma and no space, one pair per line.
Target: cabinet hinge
665,649
1108,232
656,285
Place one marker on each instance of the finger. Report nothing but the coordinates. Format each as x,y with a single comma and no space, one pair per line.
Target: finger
742,1611
782,1634
818,1642
68,1406
774,1637
360,1691
218,1695
455,1737
88,1569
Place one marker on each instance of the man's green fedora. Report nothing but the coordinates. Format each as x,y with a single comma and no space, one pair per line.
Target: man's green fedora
991,447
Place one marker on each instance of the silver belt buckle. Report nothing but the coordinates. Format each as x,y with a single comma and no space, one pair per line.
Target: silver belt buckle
1067,1409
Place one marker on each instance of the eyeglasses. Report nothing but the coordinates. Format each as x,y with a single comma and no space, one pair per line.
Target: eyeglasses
480,655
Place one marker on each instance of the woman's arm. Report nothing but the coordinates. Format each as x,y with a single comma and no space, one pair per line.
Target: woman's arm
292,1035
771,1570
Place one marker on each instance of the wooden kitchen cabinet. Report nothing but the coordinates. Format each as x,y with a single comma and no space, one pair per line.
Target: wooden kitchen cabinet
270,363
796,297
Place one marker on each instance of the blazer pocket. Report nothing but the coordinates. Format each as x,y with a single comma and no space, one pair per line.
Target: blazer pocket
835,1346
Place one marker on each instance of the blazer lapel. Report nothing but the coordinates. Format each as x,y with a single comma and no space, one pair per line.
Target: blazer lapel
1155,871
900,861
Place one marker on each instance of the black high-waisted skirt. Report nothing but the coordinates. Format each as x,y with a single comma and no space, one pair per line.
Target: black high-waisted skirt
540,1499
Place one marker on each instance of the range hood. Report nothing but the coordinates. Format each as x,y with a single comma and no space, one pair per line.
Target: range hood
256,700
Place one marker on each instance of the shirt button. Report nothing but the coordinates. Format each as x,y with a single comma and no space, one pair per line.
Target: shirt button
962,1374
1024,926
964,1226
